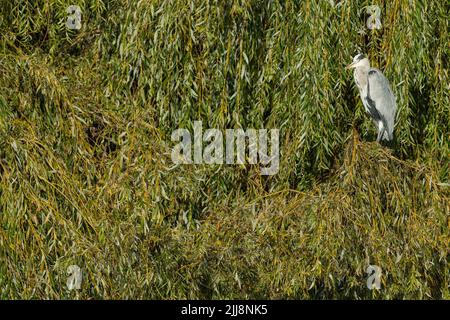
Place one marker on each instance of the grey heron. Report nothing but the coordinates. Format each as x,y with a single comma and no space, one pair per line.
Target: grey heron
376,95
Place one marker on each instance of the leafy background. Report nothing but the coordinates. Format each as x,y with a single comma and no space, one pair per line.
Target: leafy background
86,176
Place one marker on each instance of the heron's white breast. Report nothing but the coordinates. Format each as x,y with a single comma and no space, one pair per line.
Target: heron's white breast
361,80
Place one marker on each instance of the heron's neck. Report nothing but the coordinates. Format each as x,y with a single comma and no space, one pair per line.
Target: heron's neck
363,69
361,74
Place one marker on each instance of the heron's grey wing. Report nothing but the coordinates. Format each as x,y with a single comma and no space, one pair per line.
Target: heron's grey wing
383,100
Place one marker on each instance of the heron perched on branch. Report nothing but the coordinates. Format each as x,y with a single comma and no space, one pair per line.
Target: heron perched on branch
376,96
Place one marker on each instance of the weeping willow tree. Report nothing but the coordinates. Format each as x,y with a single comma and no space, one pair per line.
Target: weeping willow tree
86,177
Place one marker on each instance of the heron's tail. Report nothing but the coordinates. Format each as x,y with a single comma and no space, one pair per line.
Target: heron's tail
388,135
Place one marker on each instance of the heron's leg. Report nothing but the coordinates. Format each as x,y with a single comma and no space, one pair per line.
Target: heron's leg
380,131
386,136
380,134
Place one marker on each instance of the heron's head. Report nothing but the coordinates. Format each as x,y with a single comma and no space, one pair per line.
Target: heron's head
359,60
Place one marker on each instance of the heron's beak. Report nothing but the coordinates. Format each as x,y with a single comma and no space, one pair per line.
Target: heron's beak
350,66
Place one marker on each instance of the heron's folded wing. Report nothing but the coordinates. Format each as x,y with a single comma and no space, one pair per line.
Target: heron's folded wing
381,94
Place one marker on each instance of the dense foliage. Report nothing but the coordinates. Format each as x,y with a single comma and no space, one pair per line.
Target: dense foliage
86,176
